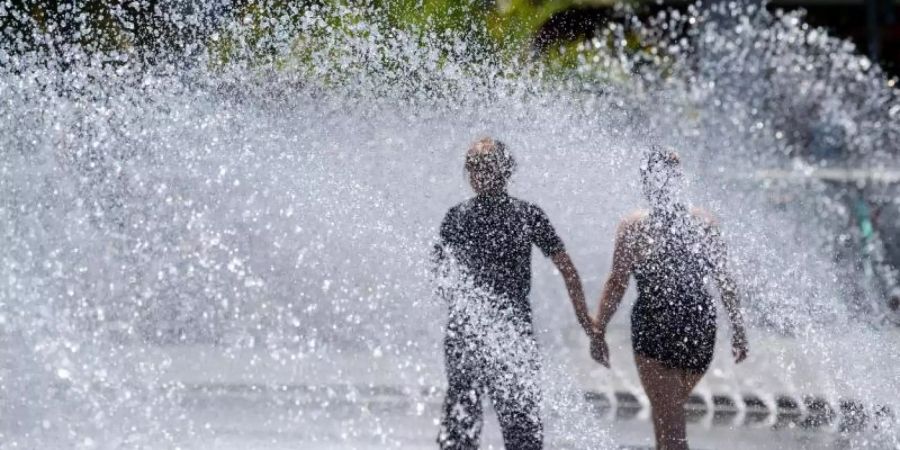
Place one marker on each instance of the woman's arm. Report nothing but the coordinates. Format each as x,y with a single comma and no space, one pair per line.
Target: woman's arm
728,292
617,281
613,290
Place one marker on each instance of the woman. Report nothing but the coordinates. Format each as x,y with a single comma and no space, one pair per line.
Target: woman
673,254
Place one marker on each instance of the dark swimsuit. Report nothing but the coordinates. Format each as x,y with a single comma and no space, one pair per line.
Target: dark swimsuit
674,318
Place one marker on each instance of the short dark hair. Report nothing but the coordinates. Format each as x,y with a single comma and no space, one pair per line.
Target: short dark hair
492,156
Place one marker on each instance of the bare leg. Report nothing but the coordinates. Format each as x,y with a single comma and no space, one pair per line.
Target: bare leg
668,390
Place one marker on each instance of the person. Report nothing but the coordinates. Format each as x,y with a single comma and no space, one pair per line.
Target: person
484,257
673,253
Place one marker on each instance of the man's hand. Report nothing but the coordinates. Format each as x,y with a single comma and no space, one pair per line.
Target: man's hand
599,349
573,285
739,346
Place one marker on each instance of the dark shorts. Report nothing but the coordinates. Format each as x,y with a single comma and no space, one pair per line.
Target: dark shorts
678,337
478,369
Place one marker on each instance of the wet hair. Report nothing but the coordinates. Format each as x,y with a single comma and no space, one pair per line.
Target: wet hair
661,174
492,157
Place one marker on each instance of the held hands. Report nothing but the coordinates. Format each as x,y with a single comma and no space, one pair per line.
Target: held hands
599,349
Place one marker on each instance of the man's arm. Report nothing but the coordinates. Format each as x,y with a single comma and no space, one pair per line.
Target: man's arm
546,239
573,284
441,256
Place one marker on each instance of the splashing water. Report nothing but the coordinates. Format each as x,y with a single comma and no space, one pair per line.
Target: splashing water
278,194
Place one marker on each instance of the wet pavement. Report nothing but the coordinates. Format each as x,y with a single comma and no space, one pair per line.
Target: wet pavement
262,420
779,398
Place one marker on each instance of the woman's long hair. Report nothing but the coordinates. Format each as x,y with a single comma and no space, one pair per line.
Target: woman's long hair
662,179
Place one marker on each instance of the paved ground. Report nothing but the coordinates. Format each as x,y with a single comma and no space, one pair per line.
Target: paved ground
250,399
247,424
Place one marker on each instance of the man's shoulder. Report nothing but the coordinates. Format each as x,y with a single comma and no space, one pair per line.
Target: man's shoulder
458,210
525,206
461,207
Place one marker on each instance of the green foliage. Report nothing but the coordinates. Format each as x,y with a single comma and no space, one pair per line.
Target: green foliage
31,25
323,34
506,29
515,22
151,29
437,16
291,33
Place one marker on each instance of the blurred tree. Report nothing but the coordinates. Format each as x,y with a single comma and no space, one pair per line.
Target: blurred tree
150,28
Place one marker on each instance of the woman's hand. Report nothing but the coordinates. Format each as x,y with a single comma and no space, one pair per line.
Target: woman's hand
599,349
739,346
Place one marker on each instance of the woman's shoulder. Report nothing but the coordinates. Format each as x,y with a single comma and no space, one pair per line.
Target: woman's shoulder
632,220
635,216
705,216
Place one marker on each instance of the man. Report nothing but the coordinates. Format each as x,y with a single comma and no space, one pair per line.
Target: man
484,260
